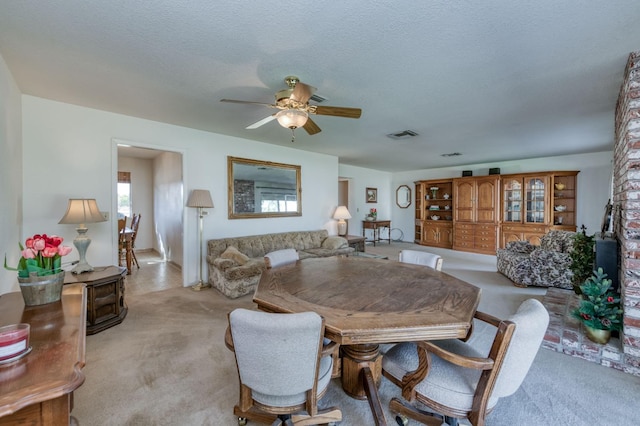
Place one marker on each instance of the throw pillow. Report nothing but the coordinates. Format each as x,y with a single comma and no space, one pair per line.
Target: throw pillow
334,243
234,254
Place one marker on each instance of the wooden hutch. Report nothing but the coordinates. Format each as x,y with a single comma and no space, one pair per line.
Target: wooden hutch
480,214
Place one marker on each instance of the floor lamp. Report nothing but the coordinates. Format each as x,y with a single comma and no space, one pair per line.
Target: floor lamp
201,199
79,212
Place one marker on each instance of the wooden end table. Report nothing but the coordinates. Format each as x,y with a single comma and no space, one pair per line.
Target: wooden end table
105,296
375,225
356,241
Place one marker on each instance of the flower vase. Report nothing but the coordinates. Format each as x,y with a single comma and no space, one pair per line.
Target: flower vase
596,335
40,290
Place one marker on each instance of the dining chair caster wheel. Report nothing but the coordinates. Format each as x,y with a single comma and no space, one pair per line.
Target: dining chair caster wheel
402,420
242,421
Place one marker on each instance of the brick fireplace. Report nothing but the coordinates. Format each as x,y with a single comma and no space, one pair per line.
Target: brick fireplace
626,201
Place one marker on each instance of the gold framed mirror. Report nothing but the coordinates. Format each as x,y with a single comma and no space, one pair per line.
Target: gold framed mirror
403,196
260,189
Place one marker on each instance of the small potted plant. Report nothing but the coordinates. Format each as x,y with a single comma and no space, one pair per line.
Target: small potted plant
40,273
599,310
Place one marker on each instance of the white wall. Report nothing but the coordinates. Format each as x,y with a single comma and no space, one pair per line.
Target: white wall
360,179
168,205
10,176
594,184
69,152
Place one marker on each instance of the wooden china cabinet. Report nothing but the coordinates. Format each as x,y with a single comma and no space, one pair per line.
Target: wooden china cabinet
535,203
434,213
476,214
480,214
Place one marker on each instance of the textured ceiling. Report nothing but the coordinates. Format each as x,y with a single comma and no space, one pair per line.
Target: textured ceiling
492,80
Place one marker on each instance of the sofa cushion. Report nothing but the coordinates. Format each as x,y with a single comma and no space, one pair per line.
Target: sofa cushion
234,254
334,243
252,268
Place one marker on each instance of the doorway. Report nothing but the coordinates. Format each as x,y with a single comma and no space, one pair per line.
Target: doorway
156,194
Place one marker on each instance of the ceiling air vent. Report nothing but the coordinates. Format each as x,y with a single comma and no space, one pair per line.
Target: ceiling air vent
451,154
317,98
405,134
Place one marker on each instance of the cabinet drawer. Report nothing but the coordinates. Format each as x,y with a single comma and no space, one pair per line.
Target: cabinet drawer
464,226
457,243
489,228
464,237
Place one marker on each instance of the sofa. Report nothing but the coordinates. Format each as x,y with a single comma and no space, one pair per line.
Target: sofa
236,264
546,265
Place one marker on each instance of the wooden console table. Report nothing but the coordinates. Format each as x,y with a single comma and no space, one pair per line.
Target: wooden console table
38,388
375,225
105,296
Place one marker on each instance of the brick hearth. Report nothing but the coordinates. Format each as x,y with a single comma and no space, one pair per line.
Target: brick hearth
565,334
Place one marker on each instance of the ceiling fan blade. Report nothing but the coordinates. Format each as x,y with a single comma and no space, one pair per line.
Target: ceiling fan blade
338,111
247,102
311,127
261,122
302,92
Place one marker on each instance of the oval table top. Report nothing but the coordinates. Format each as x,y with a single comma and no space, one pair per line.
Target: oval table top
370,301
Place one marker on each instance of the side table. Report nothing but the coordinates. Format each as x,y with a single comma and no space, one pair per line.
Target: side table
105,296
38,388
355,241
375,225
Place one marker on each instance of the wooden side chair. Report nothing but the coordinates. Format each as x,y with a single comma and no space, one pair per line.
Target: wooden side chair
283,367
135,224
424,258
280,257
122,242
457,379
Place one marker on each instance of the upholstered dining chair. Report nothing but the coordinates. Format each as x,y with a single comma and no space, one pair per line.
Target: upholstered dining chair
280,257
283,367
284,257
458,379
135,224
421,258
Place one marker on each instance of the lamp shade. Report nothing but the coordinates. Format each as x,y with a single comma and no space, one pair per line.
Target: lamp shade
342,213
292,118
81,211
200,198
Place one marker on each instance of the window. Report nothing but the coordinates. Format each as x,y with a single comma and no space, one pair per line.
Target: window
124,195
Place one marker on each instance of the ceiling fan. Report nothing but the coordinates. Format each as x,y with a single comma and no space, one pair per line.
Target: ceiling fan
294,107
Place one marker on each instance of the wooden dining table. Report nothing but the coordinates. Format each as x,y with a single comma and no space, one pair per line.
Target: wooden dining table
366,302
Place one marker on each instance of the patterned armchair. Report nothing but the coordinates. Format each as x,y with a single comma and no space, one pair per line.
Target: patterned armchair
543,266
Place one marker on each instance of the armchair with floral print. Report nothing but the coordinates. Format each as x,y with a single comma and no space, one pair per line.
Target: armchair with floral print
546,265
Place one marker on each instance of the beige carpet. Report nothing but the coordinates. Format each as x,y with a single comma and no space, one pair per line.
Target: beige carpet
166,364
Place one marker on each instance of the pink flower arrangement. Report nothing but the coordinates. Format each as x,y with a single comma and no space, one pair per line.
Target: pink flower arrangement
41,254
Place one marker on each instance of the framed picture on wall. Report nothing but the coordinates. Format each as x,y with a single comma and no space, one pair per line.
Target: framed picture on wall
372,195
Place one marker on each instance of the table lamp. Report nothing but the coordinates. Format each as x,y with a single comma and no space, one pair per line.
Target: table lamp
341,214
201,199
79,212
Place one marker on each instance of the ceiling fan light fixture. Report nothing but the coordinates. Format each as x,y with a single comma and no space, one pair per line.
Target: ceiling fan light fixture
292,118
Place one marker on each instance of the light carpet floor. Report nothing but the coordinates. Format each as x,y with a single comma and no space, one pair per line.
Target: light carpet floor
166,364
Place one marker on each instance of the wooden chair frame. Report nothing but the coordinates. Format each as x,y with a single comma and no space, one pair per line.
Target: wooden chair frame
249,409
490,367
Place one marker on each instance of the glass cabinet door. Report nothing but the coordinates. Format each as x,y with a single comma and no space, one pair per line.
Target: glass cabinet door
535,200
512,200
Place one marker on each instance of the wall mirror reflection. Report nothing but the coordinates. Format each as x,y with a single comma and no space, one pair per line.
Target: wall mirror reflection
263,189
403,196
